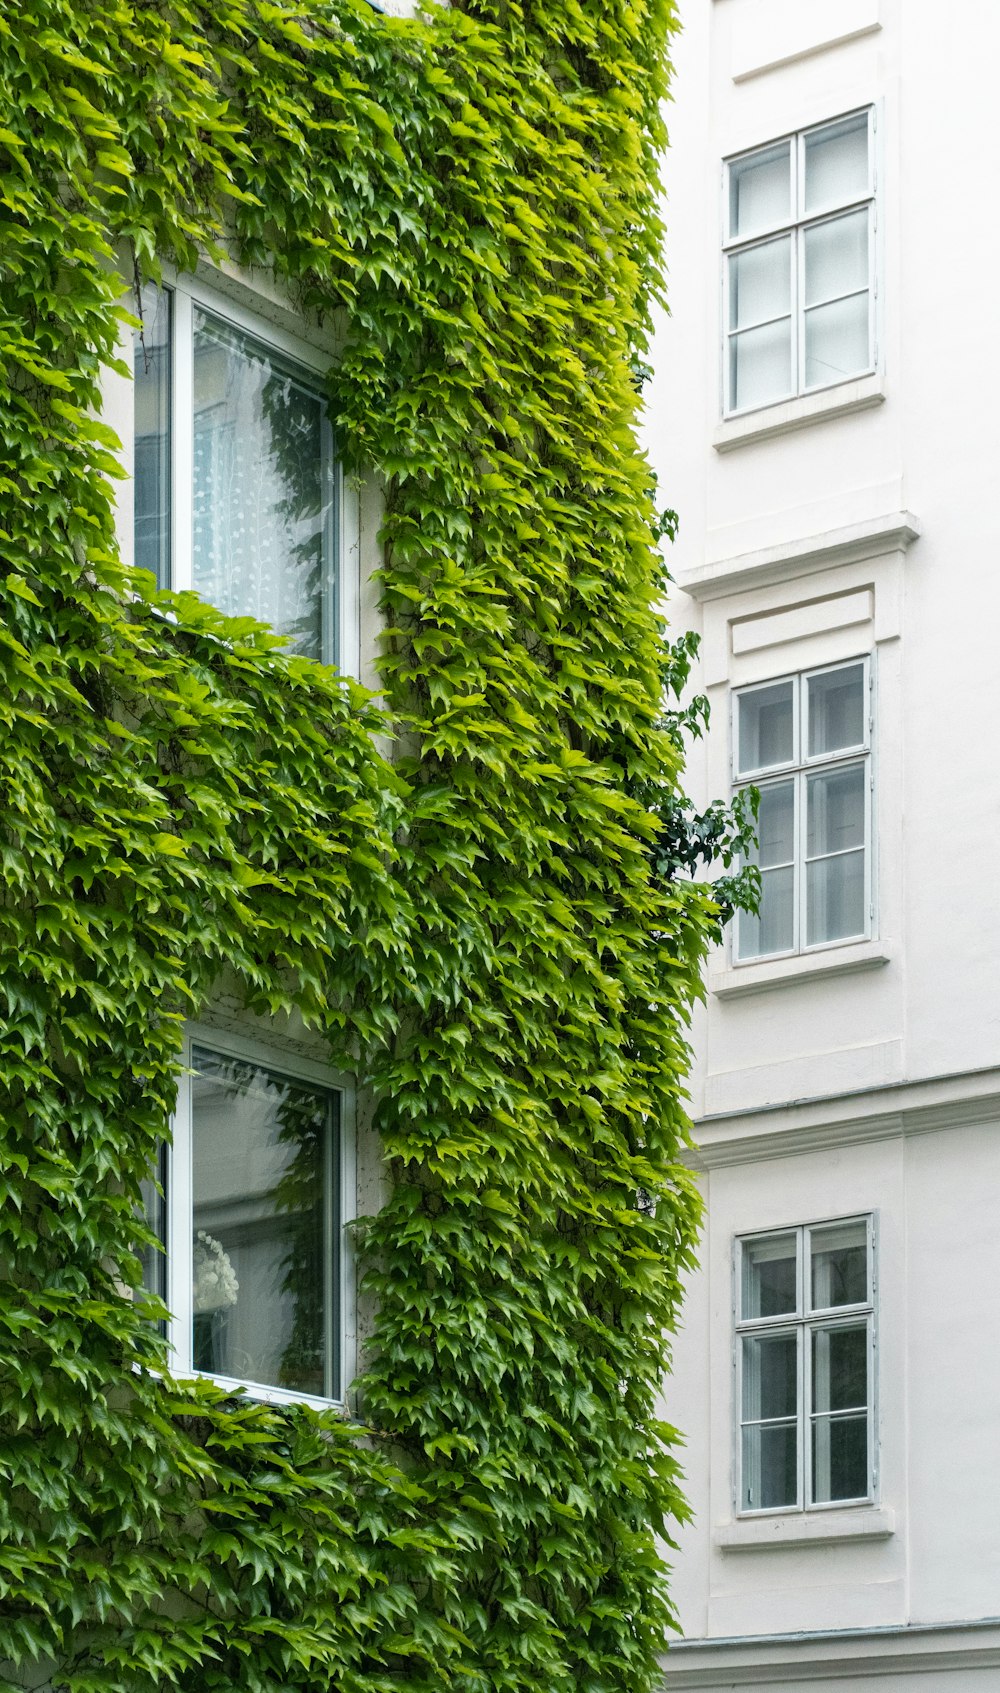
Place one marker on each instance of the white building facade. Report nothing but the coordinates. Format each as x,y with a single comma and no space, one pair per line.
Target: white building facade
821,418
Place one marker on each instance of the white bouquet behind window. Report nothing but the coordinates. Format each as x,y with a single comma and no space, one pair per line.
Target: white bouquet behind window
215,1284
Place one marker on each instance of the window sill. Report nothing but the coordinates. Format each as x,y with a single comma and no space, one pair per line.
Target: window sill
803,1528
741,979
788,415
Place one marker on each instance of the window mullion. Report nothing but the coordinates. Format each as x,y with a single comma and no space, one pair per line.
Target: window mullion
182,444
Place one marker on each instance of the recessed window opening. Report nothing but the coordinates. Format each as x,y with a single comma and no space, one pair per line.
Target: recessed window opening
799,255
805,1331
234,491
805,742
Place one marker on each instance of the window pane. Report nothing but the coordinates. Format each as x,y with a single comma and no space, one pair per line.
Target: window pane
154,1215
835,898
839,1265
840,1458
837,163
760,191
836,708
769,1277
836,341
840,1368
760,365
836,810
766,727
836,257
774,929
776,824
770,1376
151,485
770,1466
262,1259
262,485
760,283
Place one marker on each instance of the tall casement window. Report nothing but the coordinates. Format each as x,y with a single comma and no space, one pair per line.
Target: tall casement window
234,491
805,1325
251,1213
799,256
805,742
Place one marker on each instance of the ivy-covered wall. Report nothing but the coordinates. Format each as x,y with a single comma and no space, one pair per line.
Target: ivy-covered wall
475,928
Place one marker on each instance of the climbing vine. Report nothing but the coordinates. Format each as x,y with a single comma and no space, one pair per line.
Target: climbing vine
493,928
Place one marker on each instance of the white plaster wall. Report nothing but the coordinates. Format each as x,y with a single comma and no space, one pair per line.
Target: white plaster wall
927,448
747,71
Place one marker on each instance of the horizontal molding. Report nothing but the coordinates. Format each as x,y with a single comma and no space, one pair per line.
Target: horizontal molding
846,1656
793,1530
799,413
892,532
892,1112
741,979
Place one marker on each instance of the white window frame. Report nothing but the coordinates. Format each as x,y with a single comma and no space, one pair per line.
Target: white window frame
802,1324
799,768
795,227
179,1211
341,606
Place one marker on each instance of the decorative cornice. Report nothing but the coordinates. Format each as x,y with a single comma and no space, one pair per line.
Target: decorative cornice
892,532
840,1656
896,1111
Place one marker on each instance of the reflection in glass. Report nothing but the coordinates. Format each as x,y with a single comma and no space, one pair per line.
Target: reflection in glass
837,340
151,485
766,727
836,709
836,257
760,283
760,191
840,1385
770,1377
263,487
839,1265
836,810
840,1458
773,929
760,365
776,824
770,1465
836,164
154,1215
770,1420
835,898
263,1259
769,1281
840,1368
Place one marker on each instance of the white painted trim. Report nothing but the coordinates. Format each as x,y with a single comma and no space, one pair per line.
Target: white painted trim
755,63
872,538
837,1656
860,393
893,1111
815,1527
839,958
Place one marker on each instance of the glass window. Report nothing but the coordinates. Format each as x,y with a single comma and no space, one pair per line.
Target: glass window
814,820
253,1221
801,219
760,190
805,1373
151,487
251,449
